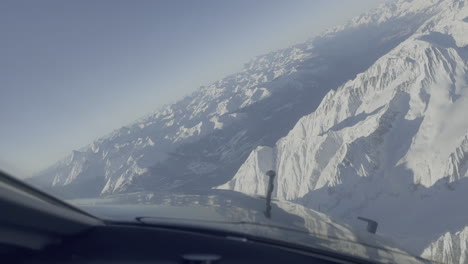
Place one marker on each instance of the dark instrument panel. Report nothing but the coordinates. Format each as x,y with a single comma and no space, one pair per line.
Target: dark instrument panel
135,244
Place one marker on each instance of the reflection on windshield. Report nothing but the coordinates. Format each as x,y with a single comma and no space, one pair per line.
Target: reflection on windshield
244,215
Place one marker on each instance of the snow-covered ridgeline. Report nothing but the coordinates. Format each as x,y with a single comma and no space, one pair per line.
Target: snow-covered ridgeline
407,109
390,144
449,248
410,86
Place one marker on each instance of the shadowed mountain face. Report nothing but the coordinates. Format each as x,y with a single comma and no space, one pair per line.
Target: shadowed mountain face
201,141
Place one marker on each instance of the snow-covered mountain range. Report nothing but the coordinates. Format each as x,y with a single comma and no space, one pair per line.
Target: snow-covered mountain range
202,140
390,144
366,119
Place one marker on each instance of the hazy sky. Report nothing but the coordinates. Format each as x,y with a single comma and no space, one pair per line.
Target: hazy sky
73,71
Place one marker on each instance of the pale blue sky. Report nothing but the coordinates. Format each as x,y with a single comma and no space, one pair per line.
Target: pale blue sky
73,71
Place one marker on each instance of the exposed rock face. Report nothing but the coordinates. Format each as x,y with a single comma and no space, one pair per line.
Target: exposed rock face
449,248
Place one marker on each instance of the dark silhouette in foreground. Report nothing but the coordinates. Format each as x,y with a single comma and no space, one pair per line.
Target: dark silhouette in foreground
271,174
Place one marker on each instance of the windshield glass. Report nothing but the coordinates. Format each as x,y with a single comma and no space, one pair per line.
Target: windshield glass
336,120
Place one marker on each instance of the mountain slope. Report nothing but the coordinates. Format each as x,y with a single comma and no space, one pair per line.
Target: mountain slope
200,141
390,144
449,248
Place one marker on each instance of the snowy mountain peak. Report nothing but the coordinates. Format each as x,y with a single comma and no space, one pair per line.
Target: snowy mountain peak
391,141
416,95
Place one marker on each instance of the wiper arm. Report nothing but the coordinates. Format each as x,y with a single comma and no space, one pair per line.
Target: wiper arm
271,174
